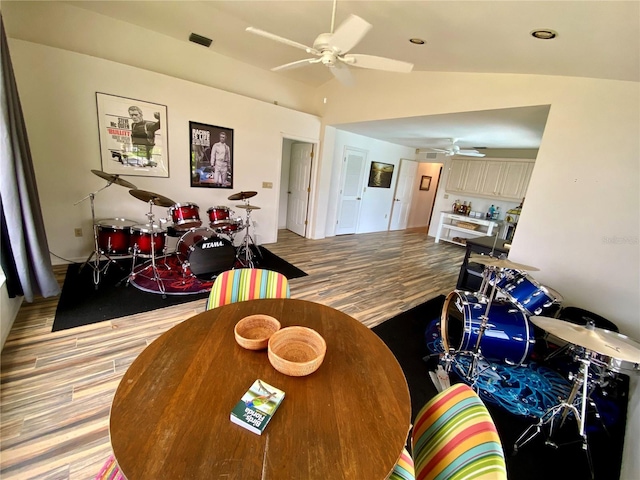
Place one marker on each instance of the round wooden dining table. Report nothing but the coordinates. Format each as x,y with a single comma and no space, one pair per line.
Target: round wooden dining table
348,419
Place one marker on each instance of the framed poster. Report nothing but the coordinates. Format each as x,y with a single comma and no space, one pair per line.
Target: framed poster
133,136
425,182
211,155
380,175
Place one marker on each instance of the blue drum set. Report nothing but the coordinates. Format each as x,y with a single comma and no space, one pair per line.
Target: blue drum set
486,336
492,324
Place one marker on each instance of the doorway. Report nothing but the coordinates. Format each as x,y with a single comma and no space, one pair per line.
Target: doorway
295,185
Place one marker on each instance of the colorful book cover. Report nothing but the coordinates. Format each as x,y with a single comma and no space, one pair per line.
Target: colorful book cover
257,406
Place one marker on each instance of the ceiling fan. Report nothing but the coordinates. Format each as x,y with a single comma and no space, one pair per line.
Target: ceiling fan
454,149
331,50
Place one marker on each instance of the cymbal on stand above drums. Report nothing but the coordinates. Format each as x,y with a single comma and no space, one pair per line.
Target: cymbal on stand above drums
154,198
248,207
242,195
604,342
113,179
500,262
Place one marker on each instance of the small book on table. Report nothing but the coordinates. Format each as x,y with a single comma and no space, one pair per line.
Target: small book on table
257,406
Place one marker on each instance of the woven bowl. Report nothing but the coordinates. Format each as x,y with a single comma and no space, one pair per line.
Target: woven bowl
296,351
253,332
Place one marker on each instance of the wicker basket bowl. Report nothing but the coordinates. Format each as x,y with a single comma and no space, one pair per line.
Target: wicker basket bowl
253,332
296,351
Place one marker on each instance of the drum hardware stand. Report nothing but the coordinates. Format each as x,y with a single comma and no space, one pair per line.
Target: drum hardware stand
244,254
580,381
97,254
154,268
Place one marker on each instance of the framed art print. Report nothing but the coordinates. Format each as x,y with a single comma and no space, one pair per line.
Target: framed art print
425,182
380,175
133,136
211,155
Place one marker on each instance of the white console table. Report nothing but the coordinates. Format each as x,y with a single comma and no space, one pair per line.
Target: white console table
449,223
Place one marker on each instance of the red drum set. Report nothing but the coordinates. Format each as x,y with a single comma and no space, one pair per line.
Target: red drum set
497,326
202,251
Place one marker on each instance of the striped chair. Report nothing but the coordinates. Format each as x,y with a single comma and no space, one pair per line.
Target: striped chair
404,468
454,437
247,284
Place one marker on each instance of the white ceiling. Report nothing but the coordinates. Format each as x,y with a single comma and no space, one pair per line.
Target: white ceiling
599,39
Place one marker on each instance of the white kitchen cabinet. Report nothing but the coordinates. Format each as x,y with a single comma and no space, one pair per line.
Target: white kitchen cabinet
491,178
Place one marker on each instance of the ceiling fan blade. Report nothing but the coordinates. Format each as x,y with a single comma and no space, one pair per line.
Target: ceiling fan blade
342,74
296,64
470,153
378,63
280,39
349,34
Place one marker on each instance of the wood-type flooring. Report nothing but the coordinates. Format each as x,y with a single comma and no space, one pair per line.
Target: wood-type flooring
57,388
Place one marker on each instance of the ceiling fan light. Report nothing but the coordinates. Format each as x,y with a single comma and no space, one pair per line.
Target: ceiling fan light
544,34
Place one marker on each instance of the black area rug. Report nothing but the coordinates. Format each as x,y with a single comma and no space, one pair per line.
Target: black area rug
82,304
405,336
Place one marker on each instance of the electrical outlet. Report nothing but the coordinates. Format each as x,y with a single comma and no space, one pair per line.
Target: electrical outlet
267,184
77,232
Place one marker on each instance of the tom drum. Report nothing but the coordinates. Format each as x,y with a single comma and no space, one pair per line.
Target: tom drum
114,235
148,240
185,216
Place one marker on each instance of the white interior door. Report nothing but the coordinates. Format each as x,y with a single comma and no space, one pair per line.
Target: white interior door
404,193
299,186
351,190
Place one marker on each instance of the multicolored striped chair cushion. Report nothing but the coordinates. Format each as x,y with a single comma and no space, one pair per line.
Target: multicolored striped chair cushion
454,437
247,284
404,468
110,470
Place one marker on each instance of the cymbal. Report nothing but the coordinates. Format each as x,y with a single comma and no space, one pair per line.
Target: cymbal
500,262
242,195
248,207
113,179
599,340
154,198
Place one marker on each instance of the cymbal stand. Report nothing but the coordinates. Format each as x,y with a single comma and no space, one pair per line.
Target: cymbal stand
570,405
154,268
244,254
97,254
474,370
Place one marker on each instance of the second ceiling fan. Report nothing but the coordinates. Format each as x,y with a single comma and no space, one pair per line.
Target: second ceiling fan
331,49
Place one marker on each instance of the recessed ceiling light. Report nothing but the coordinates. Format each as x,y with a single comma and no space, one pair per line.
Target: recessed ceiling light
544,34
417,41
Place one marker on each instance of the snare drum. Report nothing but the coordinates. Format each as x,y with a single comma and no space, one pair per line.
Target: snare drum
508,338
114,235
528,294
218,215
228,227
185,216
147,239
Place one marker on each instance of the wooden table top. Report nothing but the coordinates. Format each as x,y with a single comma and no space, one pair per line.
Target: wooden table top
349,419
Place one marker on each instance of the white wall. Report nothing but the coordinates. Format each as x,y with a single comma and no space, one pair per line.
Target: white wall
57,89
375,211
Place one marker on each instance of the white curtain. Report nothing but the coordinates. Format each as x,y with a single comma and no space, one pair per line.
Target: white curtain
24,252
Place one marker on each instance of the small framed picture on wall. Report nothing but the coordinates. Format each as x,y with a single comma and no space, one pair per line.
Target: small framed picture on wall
425,183
380,175
211,155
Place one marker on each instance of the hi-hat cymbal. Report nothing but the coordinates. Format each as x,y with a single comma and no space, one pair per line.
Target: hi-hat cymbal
242,195
601,341
113,179
500,262
154,198
248,207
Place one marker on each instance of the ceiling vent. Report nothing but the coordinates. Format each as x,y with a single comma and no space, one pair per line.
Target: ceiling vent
200,40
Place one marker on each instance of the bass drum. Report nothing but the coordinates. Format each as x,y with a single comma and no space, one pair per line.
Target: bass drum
509,336
205,253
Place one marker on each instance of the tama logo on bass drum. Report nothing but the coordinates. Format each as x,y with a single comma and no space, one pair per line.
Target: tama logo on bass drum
215,244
